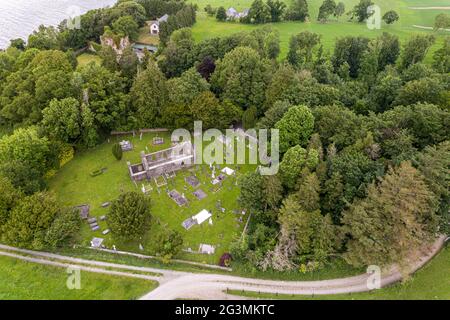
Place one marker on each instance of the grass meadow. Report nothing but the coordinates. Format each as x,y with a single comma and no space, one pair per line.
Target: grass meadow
207,27
20,280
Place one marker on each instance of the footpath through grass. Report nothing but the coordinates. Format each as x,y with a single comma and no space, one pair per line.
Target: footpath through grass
432,282
20,280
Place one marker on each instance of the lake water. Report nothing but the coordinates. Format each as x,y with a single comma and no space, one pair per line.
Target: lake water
19,18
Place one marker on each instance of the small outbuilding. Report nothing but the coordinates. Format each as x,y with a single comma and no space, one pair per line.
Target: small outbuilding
154,25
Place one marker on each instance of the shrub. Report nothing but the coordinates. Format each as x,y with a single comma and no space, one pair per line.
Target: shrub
117,151
225,260
129,216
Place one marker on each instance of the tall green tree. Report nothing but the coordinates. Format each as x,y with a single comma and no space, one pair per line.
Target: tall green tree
350,50
338,125
433,162
126,26
315,237
221,14
442,21
425,90
295,160
9,197
105,95
308,193
295,127
259,12
26,146
272,45
390,17
441,57
44,38
273,115
62,119
241,77
249,118
149,96
415,50
327,8
298,10
168,244
128,64
30,220
302,48
339,10
389,51
277,9
129,216
184,89
397,217
64,228
251,194
360,11
207,108
177,54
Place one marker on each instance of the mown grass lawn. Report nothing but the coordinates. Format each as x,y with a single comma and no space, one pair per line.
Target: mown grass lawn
432,282
208,27
146,38
20,280
73,186
85,58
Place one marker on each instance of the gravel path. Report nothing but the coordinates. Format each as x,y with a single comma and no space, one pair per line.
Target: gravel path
429,8
427,28
177,284
84,268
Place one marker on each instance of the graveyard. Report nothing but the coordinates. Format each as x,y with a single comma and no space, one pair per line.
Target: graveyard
199,201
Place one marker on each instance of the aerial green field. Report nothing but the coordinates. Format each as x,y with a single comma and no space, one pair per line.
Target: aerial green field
74,185
207,27
432,282
85,58
21,280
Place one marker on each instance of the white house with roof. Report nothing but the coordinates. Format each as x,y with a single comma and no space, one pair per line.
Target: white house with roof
154,25
233,14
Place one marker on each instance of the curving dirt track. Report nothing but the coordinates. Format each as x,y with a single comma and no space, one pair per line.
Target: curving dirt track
177,284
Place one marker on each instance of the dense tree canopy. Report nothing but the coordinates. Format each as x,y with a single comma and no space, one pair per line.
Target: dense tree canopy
351,120
37,222
396,217
149,96
241,77
129,216
390,17
298,10
295,127
360,11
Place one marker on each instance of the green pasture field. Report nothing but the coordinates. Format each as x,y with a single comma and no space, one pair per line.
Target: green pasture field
20,280
207,27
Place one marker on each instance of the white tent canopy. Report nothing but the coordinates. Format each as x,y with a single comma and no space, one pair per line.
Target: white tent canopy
202,216
228,171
